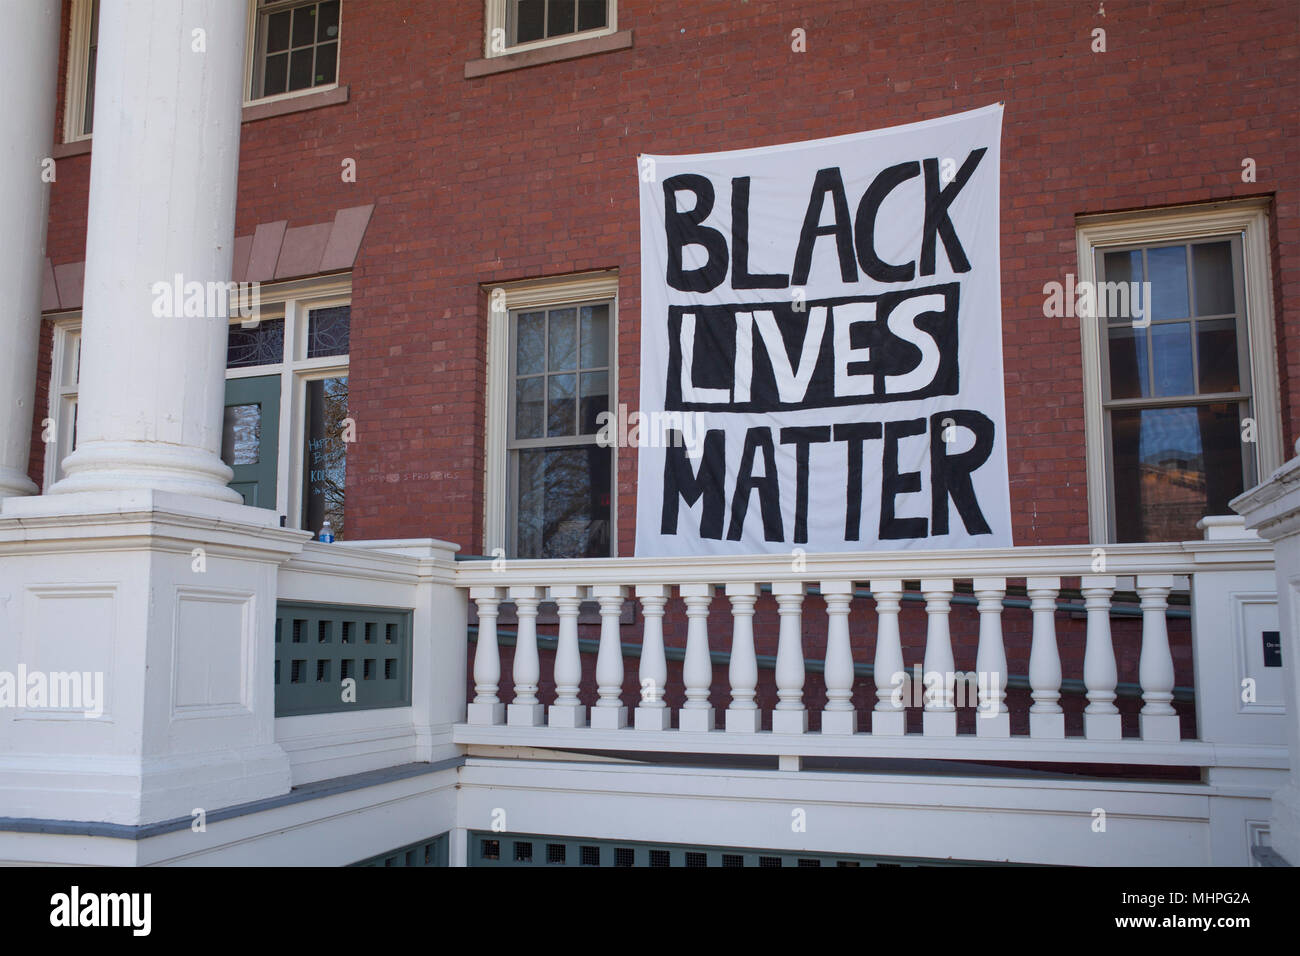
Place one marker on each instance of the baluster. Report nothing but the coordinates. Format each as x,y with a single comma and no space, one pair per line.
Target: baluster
839,716
940,717
889,718
609,712
568,710
790,716
487,708
1158,719
1101,716
652,713
743,715
697,669
1046,718
993,718
525,710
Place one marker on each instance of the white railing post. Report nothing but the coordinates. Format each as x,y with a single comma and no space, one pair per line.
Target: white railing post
940,716
743,715
1101,719
568,710
790,715
993,719
839,716
1046,719
697,669
486,708
609,712
652,712
1158,719
525,710
889,718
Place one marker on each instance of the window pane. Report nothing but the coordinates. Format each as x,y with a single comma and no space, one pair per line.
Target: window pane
88,118
71,360
1171,348
328,26
276,75
1172,467
1167,273
1128,363
591,14
329,331
277,31
325,461
241,435
593,400
1216,354
326,57
530,344
595,336
262,344
563,502
1212,273
304,24
560,17
528,407
300,69
530,20
563,341
561,407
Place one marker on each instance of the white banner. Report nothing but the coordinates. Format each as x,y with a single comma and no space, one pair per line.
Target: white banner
821,345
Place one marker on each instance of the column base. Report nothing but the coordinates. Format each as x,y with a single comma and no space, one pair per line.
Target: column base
524,715
608,718
1047,726
1159,726
1102,727
652,718
13,483
889,723
567,716
108,466
992,725
486,715
695,719
789,721
744,721
839,722
939,723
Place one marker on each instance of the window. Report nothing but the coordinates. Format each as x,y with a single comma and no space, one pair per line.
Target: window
551,374
513,25
295,47
59,431
83,44
294,362
1182,403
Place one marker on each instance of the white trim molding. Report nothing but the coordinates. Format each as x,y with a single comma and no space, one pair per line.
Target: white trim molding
74,91
1249,217
496,17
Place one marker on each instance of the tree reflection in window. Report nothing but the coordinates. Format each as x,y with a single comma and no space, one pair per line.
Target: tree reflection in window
324,470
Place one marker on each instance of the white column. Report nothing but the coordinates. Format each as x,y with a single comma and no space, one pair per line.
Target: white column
992,719
168,97
1158,719
609,712
568,710
1101,717
652,712
838,717
486,708
790,715
525,710
697,669
1046,719
889,718
29,49
940,717
743,715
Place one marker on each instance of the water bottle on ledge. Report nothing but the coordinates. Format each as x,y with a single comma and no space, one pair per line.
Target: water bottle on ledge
326,533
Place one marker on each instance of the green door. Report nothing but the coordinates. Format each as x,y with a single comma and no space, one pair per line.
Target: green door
250,437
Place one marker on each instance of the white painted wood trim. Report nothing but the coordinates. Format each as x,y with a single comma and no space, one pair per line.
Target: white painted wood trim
74,92
495,18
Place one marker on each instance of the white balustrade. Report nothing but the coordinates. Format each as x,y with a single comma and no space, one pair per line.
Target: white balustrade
525,710
889,718
743,715
486,708
1158,720
696,714
839,715
1046,719
940,717
993,718
790,715
609,712
1101,719
652,711
568,710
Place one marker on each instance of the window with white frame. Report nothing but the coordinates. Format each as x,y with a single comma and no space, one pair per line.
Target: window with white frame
59,430
1181,389
514,25
301,338
552,373
294,47
83,46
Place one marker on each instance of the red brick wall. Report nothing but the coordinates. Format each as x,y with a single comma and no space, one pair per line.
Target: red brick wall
466,174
